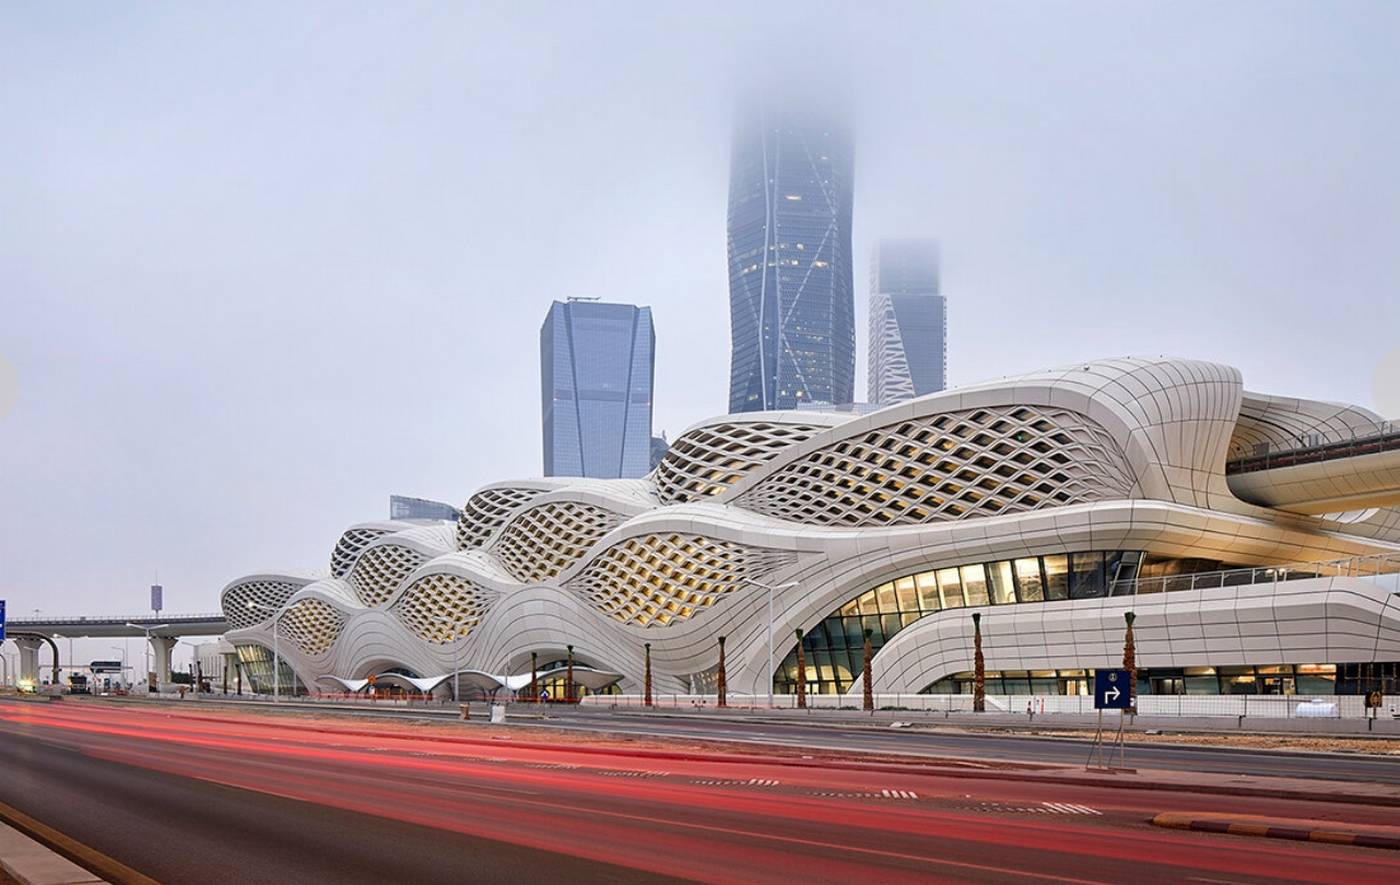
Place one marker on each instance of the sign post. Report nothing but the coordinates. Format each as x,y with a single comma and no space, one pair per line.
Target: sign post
2,620
1374,699
1113,690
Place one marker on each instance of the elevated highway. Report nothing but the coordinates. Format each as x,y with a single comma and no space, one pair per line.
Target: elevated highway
163,631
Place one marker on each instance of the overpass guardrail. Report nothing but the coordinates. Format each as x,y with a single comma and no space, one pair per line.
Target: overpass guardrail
1317,447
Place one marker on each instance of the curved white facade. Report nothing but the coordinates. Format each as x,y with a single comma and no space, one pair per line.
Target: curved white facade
1090,460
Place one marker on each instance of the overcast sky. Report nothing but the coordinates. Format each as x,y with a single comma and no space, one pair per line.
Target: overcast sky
262,265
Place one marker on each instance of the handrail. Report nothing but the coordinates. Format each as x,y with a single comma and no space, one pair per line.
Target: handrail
1372,565
1315,448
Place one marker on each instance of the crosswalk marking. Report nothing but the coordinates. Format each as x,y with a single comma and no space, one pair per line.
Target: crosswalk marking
883,794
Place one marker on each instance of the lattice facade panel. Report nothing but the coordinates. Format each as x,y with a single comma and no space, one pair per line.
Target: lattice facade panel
708,460
486,510
655,580
380,570
441,608
977,462
349,547
312,624
268,594
543,541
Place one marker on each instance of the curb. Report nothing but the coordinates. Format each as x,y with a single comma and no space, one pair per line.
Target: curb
65,846
1250,826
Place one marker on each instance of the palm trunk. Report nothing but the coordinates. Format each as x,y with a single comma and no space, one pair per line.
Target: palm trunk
1130,662
979,665
569,678
534,677
865,674
720,685
648,676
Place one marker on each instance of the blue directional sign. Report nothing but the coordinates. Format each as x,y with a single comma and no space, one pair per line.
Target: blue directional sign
1113,690
2,620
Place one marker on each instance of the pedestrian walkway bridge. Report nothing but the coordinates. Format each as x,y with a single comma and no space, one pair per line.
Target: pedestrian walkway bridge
1322,476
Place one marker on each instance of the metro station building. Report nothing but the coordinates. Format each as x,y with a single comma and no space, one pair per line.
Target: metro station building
1256,539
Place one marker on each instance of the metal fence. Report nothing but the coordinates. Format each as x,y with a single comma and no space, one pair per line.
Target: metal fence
1313,447
1373,566
1205,706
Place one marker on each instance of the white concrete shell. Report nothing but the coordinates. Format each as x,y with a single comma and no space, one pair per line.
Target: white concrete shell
1116,455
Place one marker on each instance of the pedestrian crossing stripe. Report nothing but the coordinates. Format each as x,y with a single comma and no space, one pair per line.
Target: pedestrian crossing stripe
751,782
1069,808
1042,808
883,794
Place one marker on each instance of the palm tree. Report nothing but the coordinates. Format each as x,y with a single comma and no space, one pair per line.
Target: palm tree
648,677
569,677
865,673
720,685
979,667
1130,662
534,677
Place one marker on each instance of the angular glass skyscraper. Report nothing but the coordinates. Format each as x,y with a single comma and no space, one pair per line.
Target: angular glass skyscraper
791,297
596,381
908,322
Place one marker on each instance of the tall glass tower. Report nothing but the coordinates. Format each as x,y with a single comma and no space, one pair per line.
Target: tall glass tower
908,322
596,381
791,296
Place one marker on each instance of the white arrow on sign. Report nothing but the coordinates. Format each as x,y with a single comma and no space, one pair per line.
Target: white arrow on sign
1111,694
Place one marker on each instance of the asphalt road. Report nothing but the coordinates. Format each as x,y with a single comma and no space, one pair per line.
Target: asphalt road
215,796
952,742
987,745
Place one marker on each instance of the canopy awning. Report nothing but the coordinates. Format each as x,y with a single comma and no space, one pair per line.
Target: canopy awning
588,677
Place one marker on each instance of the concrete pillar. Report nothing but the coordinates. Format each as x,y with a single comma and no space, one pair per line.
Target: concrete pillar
161,647
29,657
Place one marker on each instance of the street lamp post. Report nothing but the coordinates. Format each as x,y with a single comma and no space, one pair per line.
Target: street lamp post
456,659
770,588
147,631
277,614
122,648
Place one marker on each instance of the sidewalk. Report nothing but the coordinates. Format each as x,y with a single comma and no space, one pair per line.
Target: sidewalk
1351,728
30,863
35,853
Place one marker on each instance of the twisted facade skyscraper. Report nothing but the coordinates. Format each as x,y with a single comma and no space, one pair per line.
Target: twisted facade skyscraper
908,322
791,298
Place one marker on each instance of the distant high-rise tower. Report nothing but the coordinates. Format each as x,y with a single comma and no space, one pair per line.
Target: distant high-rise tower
908,322
596,381
791,296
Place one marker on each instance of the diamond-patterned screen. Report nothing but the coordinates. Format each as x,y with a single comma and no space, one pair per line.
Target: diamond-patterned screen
655,580
977,462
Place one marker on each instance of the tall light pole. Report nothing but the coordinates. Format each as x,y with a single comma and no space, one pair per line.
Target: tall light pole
277,614
456,658
147,631
770,588
122,648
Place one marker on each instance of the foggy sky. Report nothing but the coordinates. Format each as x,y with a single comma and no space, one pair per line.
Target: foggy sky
262,265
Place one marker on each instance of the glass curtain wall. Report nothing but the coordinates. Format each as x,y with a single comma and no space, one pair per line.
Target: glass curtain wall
834,649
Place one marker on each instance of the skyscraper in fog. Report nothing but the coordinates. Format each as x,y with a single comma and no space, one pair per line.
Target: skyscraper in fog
596,380
908,322
791,298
